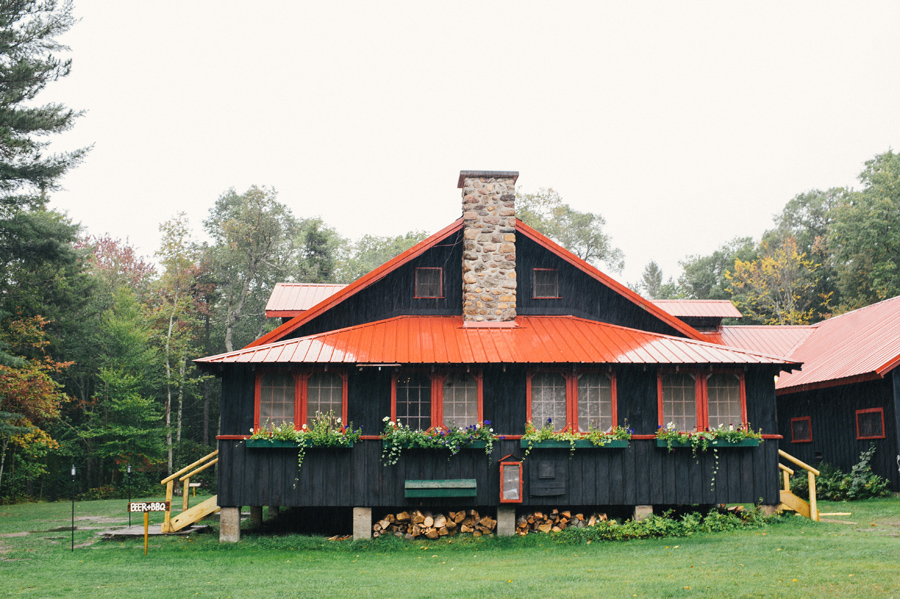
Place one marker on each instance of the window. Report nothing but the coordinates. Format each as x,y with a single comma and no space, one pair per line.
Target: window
283,396
429,282
801,430
423,400
870,423
577,401
510,482
546,283
693,400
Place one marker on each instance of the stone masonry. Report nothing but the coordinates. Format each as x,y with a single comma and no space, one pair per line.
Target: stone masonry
489,250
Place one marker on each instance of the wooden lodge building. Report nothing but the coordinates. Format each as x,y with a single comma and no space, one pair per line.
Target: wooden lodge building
485,321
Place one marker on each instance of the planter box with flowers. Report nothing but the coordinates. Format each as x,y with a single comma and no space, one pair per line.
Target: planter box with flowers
327,432
716,438
547,438
398,437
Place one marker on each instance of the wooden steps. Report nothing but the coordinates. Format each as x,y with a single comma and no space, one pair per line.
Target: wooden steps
789,501
196,513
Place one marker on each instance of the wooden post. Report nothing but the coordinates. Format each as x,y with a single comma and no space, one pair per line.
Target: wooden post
813,511
184,493
167,523
147,531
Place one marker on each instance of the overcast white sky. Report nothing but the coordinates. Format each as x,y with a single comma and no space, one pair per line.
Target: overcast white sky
684,124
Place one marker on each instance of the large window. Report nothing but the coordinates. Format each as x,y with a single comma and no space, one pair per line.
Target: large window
297,396
870,423
422,400
578,401
694,400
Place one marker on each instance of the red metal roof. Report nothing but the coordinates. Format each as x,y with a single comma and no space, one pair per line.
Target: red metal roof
768,340
290,299
533,340
859,345
418,249
698,308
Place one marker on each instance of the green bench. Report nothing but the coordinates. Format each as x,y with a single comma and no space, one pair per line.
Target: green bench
459,487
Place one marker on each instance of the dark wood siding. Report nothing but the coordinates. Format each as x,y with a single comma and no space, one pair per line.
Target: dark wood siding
580,294
641,474
832,413
394,295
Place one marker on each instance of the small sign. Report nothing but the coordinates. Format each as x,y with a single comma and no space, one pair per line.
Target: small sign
152,506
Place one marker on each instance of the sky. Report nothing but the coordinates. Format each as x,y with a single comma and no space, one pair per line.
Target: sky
684,124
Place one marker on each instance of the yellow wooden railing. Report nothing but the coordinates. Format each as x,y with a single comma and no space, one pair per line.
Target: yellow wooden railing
188,516
791,501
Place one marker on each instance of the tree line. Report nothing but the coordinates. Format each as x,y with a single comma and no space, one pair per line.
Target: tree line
828,252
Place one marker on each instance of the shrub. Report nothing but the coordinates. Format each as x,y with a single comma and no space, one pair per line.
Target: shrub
833,484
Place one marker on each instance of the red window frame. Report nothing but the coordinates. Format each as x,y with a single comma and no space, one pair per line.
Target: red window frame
301,379
808,427
701,393
437,392
521,483
534,294
870,411
440,276
571,378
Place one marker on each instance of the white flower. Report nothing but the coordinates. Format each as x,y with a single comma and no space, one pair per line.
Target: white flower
391,423
490,430
386,418
304,427
338,420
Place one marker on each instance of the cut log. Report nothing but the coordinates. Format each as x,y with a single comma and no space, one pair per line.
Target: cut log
403,517
440,521
428,522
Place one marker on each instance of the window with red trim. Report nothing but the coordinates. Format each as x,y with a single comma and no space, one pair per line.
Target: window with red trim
290,396
510,482
429,282
421,400
870,423
545,283
579,401
694,400
801,430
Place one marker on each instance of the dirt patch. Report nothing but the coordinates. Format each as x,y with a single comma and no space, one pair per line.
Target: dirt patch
14,534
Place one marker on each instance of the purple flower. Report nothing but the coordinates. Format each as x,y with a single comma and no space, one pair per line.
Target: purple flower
487,422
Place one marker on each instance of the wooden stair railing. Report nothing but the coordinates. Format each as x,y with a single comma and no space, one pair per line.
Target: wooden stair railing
188,516
789,501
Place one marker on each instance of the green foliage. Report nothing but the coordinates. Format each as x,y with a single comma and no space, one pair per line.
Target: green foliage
579,232
320,247
704,276
327,431
397,437
597,437
834,485
371,251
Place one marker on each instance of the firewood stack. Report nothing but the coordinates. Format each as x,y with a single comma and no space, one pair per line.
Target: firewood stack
418,524
555,521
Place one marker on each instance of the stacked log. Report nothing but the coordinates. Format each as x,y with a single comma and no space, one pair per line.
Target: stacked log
423,524
555,521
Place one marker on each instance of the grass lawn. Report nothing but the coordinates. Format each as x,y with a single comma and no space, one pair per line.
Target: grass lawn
791,558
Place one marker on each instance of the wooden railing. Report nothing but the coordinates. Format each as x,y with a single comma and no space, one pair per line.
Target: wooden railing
184,476
791,501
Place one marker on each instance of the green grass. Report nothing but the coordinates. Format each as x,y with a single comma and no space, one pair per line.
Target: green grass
792,558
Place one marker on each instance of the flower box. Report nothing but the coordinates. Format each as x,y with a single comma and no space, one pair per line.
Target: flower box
579,444
472,445
717,444
276,444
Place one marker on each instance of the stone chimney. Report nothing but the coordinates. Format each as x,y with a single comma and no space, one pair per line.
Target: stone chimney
489,250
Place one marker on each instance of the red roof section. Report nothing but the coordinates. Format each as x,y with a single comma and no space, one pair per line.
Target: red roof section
534,340
456,226
763,339
290,299
683,308
859,345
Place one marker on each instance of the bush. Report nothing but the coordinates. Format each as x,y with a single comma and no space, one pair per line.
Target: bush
834,485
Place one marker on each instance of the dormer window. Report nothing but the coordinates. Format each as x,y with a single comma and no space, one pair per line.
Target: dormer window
429,282
546,283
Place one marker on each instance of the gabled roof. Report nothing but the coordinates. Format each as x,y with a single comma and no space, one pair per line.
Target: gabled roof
691,308
765,339
856,346
418,249
533,340
290,299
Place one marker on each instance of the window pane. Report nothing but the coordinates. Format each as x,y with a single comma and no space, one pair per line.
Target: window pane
546,283
594,402
324,393
414,401
679,401
460,400
724,391
428,282
870,424
511,480
548,400
276,399
800,430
